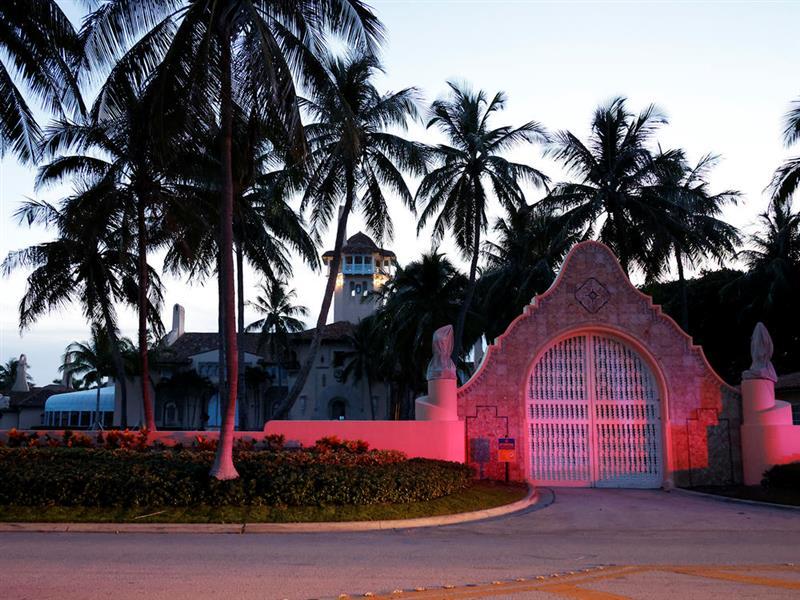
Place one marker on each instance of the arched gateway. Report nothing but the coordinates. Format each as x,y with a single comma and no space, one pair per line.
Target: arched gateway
594,386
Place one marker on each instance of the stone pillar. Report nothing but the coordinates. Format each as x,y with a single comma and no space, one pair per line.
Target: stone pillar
768,437
440,404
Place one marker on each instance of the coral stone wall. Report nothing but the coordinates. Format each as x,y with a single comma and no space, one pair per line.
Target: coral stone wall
701,413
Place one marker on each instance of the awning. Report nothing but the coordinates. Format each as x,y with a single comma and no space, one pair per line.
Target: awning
81,401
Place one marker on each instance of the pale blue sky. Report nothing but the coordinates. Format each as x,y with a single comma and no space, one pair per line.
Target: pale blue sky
723,72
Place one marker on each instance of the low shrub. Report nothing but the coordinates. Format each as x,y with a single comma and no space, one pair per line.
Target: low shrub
783,477
122,477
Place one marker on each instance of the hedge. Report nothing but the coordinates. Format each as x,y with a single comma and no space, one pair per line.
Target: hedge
783,477
126,478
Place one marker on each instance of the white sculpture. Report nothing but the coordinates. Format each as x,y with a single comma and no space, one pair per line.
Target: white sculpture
21,381
441,365
761,351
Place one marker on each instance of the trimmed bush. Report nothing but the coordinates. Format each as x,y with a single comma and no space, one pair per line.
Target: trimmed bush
783,477
46,476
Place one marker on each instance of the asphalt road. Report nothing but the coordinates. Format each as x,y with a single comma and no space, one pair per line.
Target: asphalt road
677,541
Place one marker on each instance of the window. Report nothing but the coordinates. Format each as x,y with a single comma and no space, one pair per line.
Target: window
796,413
170,414
338,409
352,288
359,260
324,380
339,358
84,419
364,289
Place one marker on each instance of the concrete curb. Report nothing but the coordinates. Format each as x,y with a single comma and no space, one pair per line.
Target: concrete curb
733,500
345,526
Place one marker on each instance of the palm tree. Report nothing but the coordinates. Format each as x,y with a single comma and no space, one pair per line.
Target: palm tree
422,296
280,318
689,228
361,361
521,263
266,229
612,167
93,361
202,50
787,176
774,256
352,158
42,50
470,170
8,374
84,264
113,145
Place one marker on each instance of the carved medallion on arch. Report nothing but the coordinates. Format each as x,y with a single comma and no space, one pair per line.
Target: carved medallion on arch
592,295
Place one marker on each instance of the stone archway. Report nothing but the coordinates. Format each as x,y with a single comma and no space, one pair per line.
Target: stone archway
699,419
594,411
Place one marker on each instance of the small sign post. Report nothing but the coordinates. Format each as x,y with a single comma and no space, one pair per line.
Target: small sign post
506,451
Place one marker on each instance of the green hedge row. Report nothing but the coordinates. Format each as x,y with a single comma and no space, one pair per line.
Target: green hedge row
97,477
783,477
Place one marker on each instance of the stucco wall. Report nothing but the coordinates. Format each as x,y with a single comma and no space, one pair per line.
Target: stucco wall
702,413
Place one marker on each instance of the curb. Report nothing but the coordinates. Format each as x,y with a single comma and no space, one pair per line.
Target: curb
326,527
734,500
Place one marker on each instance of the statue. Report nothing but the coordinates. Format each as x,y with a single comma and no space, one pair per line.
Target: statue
441,365
761,351
21,380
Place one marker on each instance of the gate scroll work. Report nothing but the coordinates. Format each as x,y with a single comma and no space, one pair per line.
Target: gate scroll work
600,388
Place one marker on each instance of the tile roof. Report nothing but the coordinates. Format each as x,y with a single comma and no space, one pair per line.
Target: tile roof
361,243
36,397
192,343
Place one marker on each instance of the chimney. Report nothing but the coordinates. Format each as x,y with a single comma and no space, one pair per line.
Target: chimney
178,319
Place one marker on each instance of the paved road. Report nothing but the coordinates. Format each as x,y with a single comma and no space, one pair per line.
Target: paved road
682,546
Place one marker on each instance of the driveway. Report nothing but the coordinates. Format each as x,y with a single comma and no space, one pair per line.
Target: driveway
647,543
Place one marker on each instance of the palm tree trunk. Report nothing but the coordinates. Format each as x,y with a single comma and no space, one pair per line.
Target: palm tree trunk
96,424
242,398
284,407
147,400
371,402
684,297
119,367
223,463
470,292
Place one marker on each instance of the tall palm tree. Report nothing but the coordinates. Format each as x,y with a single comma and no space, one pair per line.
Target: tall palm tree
280,318
361,361
422,296
470,171
210,48
113,145
84,264
774,255
40,49
266,229
521,263
93,361
611,169
689,228
787,176
353,156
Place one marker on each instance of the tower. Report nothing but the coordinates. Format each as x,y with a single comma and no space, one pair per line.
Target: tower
364,268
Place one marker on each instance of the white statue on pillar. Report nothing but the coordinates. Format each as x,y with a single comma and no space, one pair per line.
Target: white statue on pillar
441,365
761,351
21,381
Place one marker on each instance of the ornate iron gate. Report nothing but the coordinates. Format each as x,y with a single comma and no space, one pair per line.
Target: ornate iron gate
594,415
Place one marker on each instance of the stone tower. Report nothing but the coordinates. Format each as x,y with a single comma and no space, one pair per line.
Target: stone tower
364,268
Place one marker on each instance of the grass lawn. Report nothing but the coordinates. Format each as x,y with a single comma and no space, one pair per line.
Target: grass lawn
754,492
480,495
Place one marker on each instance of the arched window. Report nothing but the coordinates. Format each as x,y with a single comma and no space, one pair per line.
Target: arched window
338,409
